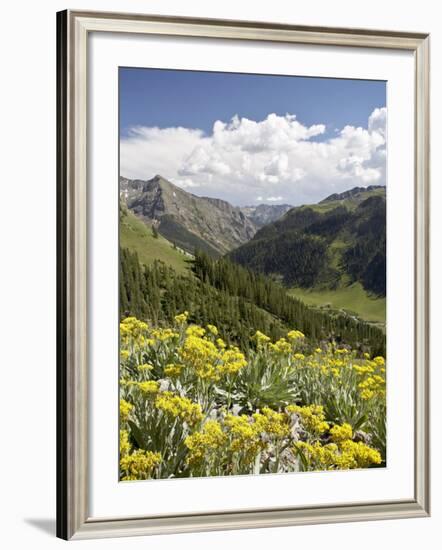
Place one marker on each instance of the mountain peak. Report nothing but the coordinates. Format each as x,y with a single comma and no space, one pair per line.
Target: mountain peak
158,178
190,221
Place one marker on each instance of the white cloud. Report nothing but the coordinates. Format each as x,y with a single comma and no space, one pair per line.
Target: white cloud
267,159
274,199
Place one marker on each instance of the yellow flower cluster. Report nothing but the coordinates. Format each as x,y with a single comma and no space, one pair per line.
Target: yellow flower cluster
212,329
179,407
205,442
125,409
208,360
132,327
232,361
149,387
195,330
261,338
341,433
139,465
272,423
173,370
124,442
318,456
358,454
295,335
372,386
281,346
145,367
220,343
312,418
245,435
201,355
181,318
346,455
169,376
164,334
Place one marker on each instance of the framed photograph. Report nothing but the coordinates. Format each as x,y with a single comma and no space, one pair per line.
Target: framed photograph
242,275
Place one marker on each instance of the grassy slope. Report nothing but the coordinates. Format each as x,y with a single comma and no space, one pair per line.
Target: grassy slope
137,236
351,202
352,298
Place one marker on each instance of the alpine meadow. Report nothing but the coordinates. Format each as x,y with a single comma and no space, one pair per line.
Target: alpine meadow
252,276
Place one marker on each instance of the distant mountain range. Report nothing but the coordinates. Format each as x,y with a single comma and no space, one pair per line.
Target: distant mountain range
192,222
262,214
338,241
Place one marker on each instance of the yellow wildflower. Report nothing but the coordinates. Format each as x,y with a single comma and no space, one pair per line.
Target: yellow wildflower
220,343
261,338
232,360
173,370
195,330
244,435
145,367
212,329
201,355
272,423
125,409
312,418
181,318
359,455
345,455
163,334
150,387
124,442
295,335
179,407
131,326
139,465
281,346
341,433
206,442
367,394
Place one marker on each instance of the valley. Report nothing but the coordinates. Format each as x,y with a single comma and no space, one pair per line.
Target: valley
351,299
329,255
310,255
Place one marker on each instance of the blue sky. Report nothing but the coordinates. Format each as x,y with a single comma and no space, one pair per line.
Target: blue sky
163,98
267,152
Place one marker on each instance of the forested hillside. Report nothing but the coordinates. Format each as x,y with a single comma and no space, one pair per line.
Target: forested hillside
340,241
235,299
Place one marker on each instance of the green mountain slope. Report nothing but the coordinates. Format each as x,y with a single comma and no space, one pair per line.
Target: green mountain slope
138,237
236,300
351,299
327,246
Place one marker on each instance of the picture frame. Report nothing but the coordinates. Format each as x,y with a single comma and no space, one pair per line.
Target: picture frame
73,412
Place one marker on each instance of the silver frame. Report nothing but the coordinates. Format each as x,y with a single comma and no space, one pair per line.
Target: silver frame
73,520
